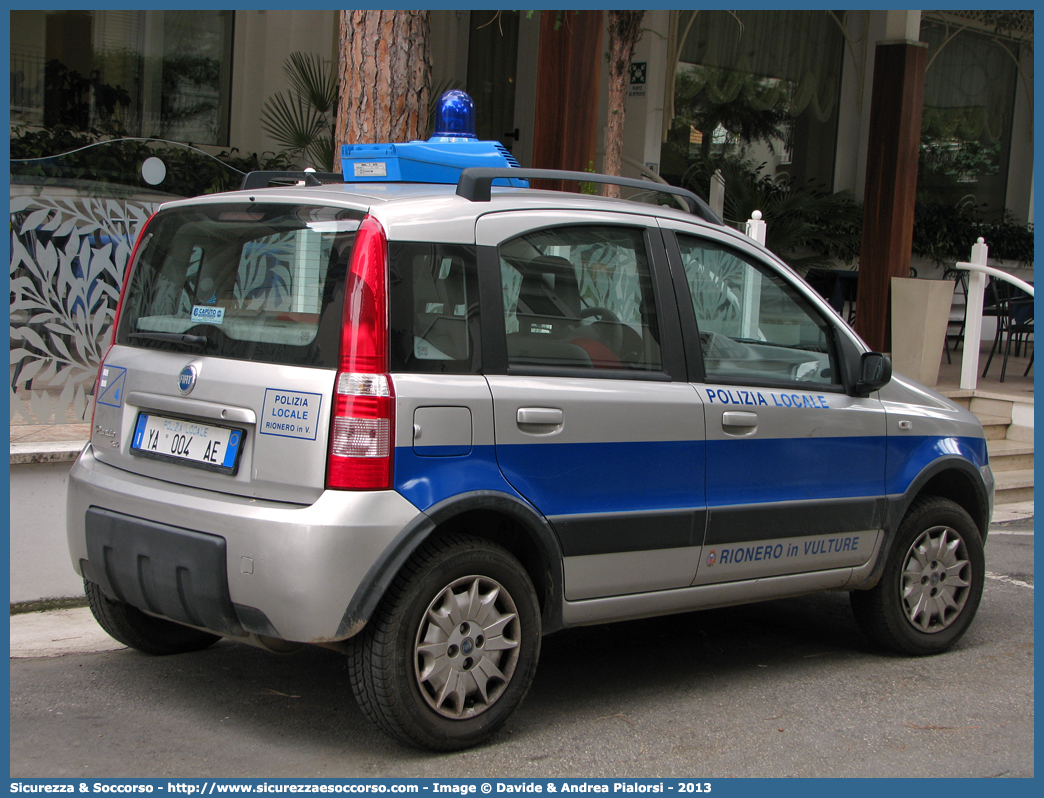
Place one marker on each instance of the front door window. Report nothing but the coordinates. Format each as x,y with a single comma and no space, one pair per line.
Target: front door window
754,327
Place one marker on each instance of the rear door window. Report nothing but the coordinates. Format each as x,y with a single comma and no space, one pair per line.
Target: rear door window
260,282
433,308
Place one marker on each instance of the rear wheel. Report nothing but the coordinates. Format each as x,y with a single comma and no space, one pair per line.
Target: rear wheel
134,628
932,582
452,650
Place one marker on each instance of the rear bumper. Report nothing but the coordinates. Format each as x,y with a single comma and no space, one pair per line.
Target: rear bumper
291,570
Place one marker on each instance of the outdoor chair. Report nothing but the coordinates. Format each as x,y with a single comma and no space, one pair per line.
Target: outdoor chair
1014,311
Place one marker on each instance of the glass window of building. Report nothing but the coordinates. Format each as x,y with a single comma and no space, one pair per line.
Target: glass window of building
969,99
759,86
164,74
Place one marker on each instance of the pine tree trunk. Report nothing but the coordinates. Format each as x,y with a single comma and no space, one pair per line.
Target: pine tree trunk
385,77
625,28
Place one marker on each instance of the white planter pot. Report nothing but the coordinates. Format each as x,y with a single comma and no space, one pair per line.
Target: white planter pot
920,311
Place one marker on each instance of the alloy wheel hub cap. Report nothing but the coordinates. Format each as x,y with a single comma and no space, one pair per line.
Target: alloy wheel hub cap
467,647
936,579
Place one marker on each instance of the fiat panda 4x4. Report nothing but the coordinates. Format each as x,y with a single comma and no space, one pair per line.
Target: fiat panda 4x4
430,422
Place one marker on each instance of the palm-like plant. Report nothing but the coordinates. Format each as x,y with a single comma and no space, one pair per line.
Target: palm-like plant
808,226
302,119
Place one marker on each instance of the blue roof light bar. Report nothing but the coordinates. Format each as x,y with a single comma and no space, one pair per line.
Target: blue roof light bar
440,159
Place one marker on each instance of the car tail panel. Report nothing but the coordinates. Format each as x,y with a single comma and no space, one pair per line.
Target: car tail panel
227,348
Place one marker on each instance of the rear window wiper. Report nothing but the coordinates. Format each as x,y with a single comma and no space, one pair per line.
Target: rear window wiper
199,341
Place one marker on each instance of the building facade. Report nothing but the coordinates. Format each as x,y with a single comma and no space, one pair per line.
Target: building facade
790,89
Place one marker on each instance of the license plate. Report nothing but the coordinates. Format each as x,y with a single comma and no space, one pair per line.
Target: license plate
188,442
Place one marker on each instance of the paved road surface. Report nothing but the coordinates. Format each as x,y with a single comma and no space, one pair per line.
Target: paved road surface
787,688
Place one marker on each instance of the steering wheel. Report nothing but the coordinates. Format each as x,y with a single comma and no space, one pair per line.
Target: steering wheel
609,321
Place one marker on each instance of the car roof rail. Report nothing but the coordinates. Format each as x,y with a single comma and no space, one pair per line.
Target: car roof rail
474,184
267,179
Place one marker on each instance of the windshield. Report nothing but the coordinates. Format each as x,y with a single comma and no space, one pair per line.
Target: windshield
261,282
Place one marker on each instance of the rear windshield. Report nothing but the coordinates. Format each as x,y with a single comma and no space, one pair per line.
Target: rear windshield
259,282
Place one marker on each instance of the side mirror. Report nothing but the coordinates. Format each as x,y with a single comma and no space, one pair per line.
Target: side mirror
875,370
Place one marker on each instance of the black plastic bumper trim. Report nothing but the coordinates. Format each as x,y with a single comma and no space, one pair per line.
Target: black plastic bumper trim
164,570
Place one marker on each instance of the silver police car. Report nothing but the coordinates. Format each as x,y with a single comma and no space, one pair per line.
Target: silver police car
427,420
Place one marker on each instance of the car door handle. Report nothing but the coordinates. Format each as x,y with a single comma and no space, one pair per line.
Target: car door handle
545,416
747,422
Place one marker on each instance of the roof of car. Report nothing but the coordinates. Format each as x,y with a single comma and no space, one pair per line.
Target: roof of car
434,212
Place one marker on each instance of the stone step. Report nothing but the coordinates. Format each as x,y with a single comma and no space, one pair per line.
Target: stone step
995,427
1014,486
1014,496
991,407
1007,455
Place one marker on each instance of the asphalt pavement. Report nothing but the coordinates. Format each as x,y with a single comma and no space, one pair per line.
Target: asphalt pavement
783,688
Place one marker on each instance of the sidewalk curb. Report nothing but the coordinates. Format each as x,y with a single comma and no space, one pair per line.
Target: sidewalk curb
1017,511
56,633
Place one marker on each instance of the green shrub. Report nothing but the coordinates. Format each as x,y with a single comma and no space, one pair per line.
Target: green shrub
808,226
945,233
61,154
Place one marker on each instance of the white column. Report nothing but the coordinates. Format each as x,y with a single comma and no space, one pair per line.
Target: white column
973,323
756,228
750,316
716,200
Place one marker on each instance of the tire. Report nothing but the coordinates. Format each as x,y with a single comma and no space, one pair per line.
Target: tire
450,685
932,581
147,634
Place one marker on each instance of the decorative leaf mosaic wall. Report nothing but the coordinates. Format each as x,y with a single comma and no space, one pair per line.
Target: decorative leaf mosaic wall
68,256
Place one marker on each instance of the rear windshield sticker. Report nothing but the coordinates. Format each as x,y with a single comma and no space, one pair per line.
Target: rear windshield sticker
110,387
201,314
290,414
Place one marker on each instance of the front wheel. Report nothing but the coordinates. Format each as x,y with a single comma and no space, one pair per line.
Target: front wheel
932,581
452,649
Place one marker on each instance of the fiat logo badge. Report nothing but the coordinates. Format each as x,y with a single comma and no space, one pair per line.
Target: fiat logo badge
187,379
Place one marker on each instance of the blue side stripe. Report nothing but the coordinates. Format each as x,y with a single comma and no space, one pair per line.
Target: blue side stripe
564,479
569,478
425,481
908,456
764,470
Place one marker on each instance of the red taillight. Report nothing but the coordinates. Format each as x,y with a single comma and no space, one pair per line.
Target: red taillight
362,430
116,318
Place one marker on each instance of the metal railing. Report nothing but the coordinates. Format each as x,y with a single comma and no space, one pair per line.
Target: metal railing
976,291
755,228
